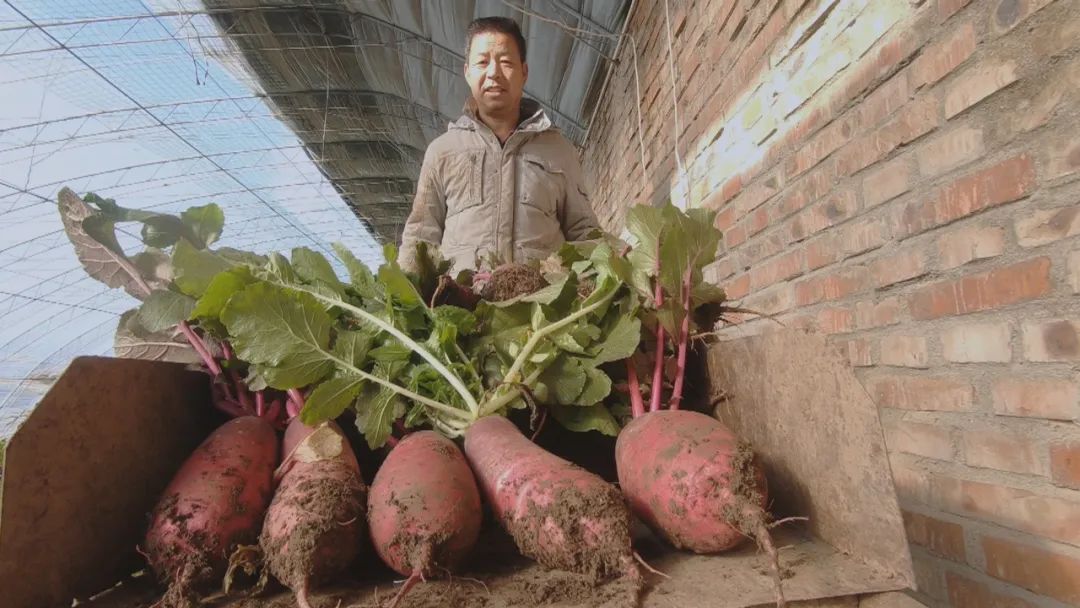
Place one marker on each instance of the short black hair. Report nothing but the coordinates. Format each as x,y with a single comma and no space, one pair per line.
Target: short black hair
501,25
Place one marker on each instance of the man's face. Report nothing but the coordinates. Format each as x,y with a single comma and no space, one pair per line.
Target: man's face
495,73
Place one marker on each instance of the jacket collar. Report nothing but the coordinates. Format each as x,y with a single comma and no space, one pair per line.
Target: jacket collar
532,119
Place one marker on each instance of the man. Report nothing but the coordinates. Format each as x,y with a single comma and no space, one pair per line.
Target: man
502,180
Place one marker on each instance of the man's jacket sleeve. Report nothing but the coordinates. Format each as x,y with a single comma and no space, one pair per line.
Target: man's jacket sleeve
578,218
428,216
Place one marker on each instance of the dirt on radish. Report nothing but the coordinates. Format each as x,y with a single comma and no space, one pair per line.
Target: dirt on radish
512,280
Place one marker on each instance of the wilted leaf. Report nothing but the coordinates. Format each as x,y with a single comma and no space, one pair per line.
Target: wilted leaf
96,245
155,266
133,341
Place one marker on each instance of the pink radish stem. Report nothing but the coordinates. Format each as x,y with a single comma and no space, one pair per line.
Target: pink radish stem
684,338
637,405
200,347
658,367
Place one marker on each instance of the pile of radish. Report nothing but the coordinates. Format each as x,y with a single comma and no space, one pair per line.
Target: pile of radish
429,366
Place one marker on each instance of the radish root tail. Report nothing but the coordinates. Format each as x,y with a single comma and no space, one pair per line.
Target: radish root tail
764,541
646,565
416,576
301,596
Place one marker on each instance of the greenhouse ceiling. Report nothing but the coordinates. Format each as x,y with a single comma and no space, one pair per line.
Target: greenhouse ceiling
305,121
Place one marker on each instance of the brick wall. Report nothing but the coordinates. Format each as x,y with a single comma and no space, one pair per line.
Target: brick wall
901,175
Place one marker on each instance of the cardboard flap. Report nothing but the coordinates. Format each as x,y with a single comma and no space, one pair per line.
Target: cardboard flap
83,470
791,395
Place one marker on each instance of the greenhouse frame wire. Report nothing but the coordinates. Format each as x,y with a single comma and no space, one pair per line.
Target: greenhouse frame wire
156,104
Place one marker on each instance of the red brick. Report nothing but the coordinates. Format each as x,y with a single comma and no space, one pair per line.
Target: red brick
777,269
1057,340
1044,226
858,352
1034,568
926,440
1046,516
870,315
987,291
821,146
821,251
739,287
941,538
860,237
958,247
936,61
1065,464
957,147
1061,155
911,484
1059,36
834,286
904,351
1003,452
977,343
1034,397
836,320
758,221
976,84
922,392
725,219
735,237
833,210
887,182
887,99
773,301
967,593
929,576
947,8
913,121
1002,183
898,267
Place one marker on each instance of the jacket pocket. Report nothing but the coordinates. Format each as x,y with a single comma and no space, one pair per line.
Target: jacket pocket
541,185
464,181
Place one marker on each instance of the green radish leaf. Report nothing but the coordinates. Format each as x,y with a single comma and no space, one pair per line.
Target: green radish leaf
286,331
375,415
621,341
353,346
238,256
359,274
313,267
566,377
330,399
205,222
597,387
221,288
279,269
164,310
399,286
196,268
582,419
645,224
390,352
607,262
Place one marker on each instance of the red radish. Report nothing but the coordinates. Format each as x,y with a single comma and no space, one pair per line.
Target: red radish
215,502
315,525
559,514
694,483
424,508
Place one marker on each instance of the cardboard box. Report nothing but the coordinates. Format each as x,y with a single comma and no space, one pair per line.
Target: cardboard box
90,461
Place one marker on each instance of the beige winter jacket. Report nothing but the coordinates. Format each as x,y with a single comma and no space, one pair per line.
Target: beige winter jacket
520,200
